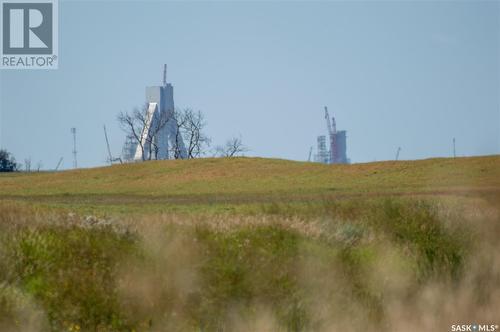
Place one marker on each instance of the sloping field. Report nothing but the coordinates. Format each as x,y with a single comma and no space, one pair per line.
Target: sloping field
251,180
250,244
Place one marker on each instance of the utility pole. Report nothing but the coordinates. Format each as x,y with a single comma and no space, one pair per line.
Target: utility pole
310,153
454,149
75,163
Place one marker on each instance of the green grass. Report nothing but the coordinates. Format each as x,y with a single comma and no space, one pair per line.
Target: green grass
180,273
241,183
251,245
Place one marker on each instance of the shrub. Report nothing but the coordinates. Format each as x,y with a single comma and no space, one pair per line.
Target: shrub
7,162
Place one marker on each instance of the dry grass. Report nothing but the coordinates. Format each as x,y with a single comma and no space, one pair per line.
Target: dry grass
250,244
382,264
225,177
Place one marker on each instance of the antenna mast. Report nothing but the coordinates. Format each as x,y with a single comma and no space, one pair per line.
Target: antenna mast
164,74
73,131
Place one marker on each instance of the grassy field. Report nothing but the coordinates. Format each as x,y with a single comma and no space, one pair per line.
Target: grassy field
250,244
220,184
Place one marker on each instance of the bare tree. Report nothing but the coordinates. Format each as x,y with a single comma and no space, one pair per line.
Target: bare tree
189,134
232,148
136,122
177,146
186,129
197,141
27,164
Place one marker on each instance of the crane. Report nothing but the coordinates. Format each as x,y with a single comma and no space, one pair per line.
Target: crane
110,156
332,131
332,127
59,163
397,153
310,153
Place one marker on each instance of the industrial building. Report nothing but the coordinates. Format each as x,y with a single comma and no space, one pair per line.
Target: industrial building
336,151
160,106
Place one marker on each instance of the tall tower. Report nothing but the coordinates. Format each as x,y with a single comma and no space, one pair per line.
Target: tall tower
160,101
323,155
75,163
337,153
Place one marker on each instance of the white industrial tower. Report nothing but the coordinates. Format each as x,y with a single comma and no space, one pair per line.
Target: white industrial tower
335,153
160,106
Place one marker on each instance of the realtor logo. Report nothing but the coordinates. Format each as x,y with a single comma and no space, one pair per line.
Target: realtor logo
29,34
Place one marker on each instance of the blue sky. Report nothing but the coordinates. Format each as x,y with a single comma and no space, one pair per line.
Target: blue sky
409,74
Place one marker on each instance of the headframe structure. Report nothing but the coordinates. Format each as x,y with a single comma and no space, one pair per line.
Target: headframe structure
160,127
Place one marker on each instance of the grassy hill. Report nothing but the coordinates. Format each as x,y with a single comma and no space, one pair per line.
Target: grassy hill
166,184
249,244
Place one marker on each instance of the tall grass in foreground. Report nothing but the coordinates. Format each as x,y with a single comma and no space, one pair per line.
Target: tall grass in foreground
378,265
